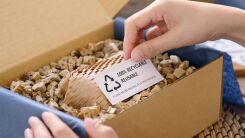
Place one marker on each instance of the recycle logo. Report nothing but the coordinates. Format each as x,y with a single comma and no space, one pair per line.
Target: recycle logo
110,80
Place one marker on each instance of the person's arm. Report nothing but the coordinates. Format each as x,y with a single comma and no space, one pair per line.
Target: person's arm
237,27
178,23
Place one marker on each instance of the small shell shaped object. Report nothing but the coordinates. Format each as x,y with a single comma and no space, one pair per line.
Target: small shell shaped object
80,88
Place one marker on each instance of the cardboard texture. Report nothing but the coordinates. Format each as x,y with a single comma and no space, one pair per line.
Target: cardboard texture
34,28
240,69
35,33
112,6
242,84
186,107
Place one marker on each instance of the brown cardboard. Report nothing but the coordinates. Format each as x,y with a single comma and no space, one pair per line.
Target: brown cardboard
32,29
241,81
239,69
112,6
180,110
38,32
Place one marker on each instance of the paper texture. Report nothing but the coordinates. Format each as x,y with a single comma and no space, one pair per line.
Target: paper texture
236,51
126,79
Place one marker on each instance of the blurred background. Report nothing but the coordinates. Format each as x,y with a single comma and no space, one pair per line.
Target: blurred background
133,6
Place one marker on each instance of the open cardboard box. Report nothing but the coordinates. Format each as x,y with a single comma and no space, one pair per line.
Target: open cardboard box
35,33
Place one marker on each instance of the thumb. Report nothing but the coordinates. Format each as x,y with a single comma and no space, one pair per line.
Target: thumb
97,130
152,47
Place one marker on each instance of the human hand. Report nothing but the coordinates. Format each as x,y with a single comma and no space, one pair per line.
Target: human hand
178,23
97,130
59,129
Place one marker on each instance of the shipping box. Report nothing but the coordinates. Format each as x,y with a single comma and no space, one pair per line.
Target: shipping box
34,33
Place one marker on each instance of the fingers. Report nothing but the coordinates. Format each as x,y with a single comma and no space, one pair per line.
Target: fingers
39,130
155,46
28,133
157,30
153,32
97,130
57,127
134,26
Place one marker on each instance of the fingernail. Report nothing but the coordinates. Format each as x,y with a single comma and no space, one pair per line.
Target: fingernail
125,57
32,119
45,114
156,33
90,122
137,55
27,132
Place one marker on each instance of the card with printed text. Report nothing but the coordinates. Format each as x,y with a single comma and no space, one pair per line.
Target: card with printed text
123,80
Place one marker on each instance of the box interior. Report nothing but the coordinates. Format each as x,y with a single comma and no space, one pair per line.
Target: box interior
21,54
185,53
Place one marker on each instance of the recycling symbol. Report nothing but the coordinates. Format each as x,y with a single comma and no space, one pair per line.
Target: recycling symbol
110,80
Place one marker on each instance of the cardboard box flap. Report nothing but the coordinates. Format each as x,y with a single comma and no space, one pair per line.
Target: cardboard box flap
33,27
113,6
181,107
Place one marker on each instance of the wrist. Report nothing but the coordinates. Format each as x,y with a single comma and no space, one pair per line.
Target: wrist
235,27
